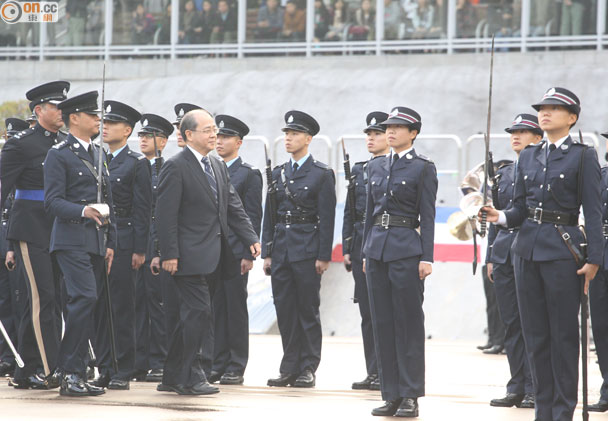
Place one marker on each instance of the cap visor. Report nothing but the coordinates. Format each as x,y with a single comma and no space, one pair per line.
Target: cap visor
376,128
294,128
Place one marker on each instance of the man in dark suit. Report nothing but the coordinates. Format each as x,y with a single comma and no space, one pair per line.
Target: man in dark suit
231,320
197,209
71,169
132,197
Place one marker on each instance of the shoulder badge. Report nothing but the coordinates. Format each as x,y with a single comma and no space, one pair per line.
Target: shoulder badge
61,144
23,133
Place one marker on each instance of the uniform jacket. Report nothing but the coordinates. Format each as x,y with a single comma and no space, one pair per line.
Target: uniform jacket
4,243
153,249
500,239
21,167
190,223
131,193
352,232
395,191
604,190
313,187
552,183
69,186
247,182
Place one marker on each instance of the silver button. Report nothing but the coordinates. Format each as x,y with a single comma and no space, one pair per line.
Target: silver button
388,176
118,179
153,187
561,176
525,177
403,182
305,187
385,194
540,204
373,182
544,169
286,226
541,186
512,184
291,181
128,223
79,173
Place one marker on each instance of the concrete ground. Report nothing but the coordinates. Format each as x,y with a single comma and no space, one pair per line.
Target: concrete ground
460,383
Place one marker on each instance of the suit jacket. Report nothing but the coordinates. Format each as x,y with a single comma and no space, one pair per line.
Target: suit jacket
395,191
501,239
352,232
552,184
191,224
247,182
132,197
604,188
68,187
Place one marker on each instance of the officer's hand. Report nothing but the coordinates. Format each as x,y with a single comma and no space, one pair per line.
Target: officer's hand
137,260
347,263
424,270
109,258
93,214
170,266
256,249
589,270
10,260
492,214
364,266
155,266
490,271
321,266
268,266
246,266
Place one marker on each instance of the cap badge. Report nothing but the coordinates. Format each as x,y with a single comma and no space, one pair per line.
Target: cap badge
108,108
65,92
395,112
181,112
222,124
551,92
290,119
9,127
145,123
518,119
373,121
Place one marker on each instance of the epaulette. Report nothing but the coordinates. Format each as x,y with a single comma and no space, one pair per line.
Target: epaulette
424,158
379,156
320,165
23,133
504,164
247,165
581,144
136,155
531,145
360,163
279,167
61,144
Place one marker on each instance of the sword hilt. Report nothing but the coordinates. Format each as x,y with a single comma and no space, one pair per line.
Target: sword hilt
483,224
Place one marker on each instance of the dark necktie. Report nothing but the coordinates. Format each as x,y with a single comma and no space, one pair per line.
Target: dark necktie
295,167
551,149
90,151
210,176
110,157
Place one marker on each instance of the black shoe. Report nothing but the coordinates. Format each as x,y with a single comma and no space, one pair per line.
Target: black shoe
53,380
32,382
73,385
375,384
215,376
6,368
600,406
366,383
94,390
408,408
161,387
305,379
202,388
102,381
388,409
496,349
529,401
486,346
511,399
232,379
139,375
283,380
118,384
155,375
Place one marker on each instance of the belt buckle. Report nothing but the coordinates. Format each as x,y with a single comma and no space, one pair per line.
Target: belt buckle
605,230
538,215
288,218
385,220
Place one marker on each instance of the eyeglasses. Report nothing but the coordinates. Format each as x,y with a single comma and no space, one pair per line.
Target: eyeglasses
208,130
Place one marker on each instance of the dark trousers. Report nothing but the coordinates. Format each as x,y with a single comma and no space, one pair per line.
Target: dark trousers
7,313
122,293
367,330
396,294
496,329
39,333
296,290
83,278
598,300
231,325
549,302
183,365
506,296
150,322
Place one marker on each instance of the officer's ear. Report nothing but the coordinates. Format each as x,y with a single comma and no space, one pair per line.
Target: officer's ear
308,139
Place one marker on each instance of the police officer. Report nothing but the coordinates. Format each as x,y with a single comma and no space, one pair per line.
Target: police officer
132,196
32,119
8,310
400,199
21,168
598,298
298,249
181,110
524,131
352,238
70,195
554,178
156,311
231,320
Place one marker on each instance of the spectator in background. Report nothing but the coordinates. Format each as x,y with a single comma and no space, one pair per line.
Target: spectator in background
165,27
423,18
465,19
573,15
192,26
364,23
270,20
322,20
207,20
339,21
76,14
95,21
294,23
440,23
199,5
225,24
541,14
143,26
394,19
155,7
500,19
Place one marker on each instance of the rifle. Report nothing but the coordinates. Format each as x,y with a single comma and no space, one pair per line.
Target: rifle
102,238
350,195
272,198
484,215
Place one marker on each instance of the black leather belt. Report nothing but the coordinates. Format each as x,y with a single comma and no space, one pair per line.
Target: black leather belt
360,217
290,218
540,215
509,230
386,220
122,212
